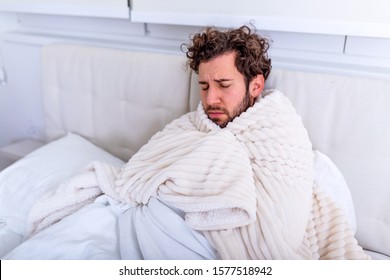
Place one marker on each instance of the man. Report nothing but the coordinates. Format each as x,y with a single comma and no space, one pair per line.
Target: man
233,67
232,180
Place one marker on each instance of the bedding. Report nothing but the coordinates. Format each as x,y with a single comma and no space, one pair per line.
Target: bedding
94,232
323,167
329,177
22,183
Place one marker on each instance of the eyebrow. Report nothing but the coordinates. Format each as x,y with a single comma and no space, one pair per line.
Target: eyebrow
216,80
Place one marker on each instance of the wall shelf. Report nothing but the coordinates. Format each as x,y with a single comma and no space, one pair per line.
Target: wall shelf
86,8
347,17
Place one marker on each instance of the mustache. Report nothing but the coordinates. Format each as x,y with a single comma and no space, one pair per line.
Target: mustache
216,108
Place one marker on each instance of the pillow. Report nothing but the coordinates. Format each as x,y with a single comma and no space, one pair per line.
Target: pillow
330,178
8,239
22,183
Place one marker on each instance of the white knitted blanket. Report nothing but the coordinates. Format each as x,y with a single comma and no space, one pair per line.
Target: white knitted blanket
249,187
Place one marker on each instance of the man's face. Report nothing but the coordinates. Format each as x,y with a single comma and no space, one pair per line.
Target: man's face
223,91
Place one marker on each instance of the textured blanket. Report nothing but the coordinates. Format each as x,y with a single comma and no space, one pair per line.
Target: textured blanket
249,186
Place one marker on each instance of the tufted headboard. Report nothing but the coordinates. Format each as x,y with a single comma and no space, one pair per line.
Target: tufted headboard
118,99
115,98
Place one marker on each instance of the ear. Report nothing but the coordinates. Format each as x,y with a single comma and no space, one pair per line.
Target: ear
256,86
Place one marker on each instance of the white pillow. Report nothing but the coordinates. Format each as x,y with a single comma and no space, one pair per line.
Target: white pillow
22,183
330,178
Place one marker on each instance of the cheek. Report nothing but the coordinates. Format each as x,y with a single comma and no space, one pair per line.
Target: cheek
233,98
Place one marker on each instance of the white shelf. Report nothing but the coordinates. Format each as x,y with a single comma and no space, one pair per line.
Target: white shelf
86,8
314,26
347,17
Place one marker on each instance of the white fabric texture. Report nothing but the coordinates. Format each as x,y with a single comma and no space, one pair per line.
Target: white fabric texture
43,170
209,156
347,119
73,239
329,177
107,230
8,239
156,231
266,207
93,229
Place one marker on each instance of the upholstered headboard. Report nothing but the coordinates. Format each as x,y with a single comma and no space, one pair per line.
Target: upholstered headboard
118,99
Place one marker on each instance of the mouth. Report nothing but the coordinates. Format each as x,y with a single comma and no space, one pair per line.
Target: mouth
215,114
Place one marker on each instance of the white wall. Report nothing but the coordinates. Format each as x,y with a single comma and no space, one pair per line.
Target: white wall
23,33
21,110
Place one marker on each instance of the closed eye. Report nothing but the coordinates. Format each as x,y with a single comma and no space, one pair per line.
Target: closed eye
224,83
224,86
204,86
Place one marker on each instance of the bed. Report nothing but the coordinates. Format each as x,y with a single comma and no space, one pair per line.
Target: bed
104,104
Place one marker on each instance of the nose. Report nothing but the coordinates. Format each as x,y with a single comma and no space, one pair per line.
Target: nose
213,96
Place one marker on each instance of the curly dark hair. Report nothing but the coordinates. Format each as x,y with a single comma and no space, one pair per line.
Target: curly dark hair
250,48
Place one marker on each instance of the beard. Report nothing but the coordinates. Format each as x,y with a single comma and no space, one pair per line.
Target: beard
241,107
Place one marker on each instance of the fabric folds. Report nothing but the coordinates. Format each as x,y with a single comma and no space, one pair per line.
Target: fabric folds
249,187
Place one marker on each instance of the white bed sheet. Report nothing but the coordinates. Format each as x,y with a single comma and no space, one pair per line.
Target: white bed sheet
87,234
153,231
22,183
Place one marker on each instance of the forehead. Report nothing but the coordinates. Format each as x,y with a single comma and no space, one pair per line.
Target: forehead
222,66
